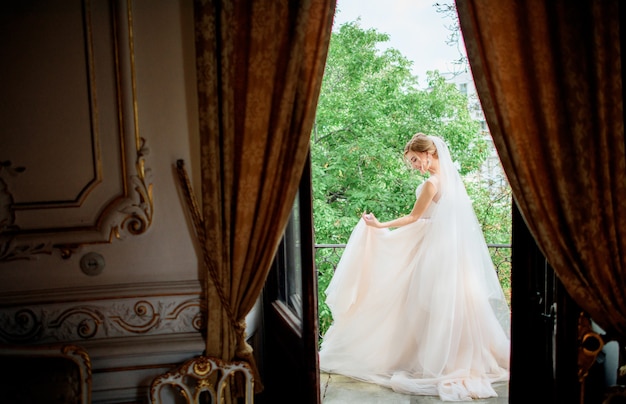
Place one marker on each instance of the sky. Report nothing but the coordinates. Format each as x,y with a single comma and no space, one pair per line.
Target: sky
414,26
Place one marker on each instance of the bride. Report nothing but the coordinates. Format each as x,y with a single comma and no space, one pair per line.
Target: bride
419,308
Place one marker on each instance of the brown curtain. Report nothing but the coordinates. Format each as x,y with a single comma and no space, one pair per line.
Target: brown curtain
549,77
260,66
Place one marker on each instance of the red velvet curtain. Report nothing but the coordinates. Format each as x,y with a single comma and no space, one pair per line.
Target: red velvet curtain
260,66
549,77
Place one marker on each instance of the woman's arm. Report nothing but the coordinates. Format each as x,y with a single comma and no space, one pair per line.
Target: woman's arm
429,190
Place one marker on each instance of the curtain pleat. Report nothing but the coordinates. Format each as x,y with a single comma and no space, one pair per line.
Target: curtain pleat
549,78
260,66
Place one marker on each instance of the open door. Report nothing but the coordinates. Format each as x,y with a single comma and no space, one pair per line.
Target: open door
543,326
290,322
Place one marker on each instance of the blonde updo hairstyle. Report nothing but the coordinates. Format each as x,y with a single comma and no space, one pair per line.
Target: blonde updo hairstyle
420,143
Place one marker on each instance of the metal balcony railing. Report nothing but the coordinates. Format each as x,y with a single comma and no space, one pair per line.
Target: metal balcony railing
329,254
327,257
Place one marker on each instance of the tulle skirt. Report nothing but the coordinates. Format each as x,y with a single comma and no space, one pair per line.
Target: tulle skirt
414,314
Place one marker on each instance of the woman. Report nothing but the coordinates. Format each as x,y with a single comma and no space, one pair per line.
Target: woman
420,308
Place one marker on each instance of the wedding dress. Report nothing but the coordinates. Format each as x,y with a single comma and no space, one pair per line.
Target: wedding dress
419,309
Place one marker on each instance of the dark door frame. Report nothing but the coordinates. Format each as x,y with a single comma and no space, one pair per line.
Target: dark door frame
543,326
291,328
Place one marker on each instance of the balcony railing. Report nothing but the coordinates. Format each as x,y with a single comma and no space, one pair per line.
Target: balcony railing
329,254
327,257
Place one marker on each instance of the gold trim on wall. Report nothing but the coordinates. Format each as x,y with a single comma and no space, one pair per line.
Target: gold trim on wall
102,319
98,195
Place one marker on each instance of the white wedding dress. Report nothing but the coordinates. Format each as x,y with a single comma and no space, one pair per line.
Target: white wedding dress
419,309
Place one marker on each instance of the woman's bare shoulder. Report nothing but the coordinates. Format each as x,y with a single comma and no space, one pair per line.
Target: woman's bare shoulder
434,180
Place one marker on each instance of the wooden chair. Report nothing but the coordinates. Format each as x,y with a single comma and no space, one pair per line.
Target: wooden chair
47,374
204,374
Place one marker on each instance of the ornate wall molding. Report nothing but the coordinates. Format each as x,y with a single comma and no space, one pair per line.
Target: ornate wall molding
100,319
100,312
71,128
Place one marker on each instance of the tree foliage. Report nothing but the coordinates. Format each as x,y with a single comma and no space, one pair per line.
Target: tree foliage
369,107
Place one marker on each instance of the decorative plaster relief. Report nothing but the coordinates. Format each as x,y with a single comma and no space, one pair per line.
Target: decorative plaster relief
99,319
71,127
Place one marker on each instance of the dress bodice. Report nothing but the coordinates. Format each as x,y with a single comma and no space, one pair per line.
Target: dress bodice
433,205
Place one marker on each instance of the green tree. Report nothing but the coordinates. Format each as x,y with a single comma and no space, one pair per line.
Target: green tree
369,107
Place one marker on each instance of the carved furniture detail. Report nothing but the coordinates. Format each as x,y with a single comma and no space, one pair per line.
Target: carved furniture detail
55,374
206,375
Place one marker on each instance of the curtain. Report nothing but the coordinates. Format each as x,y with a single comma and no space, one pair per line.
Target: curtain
549,77
259,70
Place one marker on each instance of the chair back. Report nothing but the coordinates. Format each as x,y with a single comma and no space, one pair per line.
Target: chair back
53,374
205,374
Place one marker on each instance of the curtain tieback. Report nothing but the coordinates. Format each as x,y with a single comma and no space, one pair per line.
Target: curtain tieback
198,224
244,350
